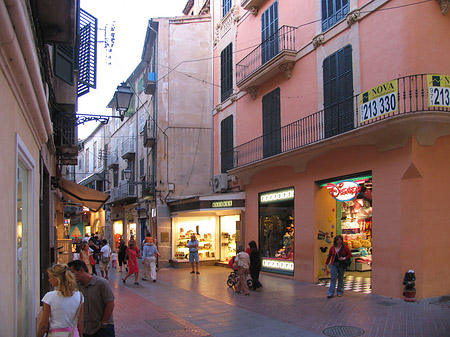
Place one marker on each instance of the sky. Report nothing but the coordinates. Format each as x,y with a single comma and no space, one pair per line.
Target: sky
130,19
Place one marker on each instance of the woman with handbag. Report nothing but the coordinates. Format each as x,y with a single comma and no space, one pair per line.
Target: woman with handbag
338,258
133,267
62,314
86,255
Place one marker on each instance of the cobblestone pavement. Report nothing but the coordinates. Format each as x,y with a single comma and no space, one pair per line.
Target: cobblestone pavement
182,304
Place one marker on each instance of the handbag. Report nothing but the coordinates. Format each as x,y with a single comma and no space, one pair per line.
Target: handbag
345,263
91,260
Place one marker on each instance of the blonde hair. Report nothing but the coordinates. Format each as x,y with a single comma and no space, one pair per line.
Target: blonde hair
67,284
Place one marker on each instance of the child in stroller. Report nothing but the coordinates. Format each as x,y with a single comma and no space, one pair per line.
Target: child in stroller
233,277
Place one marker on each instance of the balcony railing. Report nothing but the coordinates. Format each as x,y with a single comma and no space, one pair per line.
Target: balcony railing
128,150
113,159
149,134
412,95
123,191
283,40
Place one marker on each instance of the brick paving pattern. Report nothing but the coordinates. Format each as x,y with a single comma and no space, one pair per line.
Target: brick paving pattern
181,304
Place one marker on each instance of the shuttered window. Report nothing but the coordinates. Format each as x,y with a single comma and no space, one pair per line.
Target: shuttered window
64,63
271,123
269,33
226,72
226,144
226,6
333,11
338,92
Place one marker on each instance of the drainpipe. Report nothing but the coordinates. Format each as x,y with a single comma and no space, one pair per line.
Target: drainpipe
20,48
212,91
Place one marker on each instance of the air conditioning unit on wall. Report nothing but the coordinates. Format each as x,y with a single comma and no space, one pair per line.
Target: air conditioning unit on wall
220,182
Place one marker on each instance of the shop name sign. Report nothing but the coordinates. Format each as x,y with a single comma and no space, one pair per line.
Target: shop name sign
344,190
287,194
281,265
226,203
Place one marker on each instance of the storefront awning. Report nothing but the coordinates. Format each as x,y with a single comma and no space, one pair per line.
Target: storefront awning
88,197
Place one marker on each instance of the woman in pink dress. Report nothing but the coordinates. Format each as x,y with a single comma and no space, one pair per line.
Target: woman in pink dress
133,267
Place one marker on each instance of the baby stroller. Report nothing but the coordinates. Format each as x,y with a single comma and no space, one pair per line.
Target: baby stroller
234,276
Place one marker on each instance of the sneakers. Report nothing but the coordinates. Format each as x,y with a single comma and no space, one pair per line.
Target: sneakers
192,272
197,273
339,295
154,280
329,296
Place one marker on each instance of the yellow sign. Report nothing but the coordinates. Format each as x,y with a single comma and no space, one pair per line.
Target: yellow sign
227,203
438,90
378,101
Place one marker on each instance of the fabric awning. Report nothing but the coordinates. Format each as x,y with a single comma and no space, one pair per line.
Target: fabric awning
86,196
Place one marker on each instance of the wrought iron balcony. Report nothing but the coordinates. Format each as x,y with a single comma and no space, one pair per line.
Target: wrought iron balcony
149,134
123,192
113,159
411,96
276,54
128,150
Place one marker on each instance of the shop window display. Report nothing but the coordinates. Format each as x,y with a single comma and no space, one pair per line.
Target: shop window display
228,236
204,230
276,231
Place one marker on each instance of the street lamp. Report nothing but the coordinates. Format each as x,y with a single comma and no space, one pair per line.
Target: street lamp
122,98
127,173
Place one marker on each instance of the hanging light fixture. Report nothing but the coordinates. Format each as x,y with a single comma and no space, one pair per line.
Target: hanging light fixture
122,98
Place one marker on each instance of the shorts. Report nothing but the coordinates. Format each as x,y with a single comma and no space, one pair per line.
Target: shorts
103,266
193,257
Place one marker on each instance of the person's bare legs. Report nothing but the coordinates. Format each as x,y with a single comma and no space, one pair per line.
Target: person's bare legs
196,266
192,265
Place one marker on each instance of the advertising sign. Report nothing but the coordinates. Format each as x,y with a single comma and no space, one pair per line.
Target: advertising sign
438,90
76,231
378,101
345,190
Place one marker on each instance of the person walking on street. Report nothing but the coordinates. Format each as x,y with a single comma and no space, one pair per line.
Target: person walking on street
63,308
242,263
149,254
105,257
337,254
122,254
255,264
99,302
193,254
133,267
86,254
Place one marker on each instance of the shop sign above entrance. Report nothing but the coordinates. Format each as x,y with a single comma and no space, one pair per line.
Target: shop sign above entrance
280,195
344,190
225,203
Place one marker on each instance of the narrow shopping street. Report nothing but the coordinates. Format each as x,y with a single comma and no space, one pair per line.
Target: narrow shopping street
181,304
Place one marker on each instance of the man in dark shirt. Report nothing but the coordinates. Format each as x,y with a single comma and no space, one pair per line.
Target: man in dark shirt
98,301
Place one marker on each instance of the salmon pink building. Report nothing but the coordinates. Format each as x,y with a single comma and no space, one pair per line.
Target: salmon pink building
334,117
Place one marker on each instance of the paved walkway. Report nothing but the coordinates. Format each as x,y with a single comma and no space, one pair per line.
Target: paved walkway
181,304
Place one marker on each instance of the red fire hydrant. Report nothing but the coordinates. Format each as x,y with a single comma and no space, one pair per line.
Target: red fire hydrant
409,282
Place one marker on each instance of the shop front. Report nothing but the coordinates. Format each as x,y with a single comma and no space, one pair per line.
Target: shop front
216,223
276,231
117,233
345,208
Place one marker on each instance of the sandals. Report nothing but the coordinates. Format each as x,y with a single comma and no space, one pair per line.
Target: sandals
123,280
